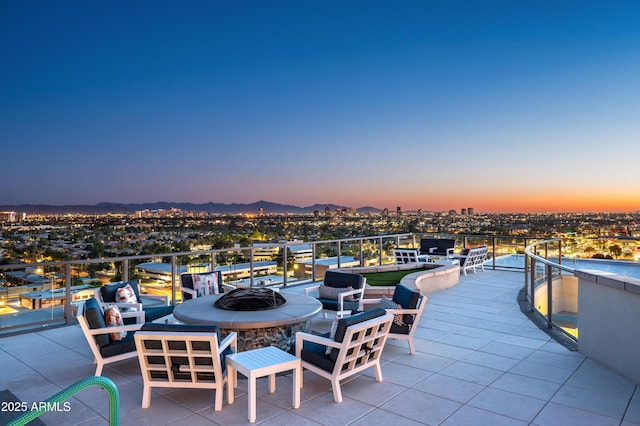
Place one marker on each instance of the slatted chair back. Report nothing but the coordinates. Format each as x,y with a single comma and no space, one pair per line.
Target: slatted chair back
403,256
473,259
357,345
188,357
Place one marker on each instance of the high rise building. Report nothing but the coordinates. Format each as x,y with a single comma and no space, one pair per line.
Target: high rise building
470,211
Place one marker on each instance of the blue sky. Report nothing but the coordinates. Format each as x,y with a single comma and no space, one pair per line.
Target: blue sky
500,106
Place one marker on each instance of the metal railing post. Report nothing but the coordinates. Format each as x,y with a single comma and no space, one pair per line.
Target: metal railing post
361,254
526,275
549,295
251,267
380,257
532,283
67,293
285,271
559,252
493,248
313,262
125,269
174,271
339,244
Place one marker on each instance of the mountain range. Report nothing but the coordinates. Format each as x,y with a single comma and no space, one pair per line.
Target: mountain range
211,207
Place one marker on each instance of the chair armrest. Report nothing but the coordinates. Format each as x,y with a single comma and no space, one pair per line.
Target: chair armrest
138,315
343,294
402,311
121,305
228,287
450,252
308,290
160,297
432,249
230,340
190,291
106,330
368,302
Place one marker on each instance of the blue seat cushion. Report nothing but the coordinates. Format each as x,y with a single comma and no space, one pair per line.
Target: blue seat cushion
117,347
399,329
108,291
152,313
407,298
315,353
344,323
332,305
95,319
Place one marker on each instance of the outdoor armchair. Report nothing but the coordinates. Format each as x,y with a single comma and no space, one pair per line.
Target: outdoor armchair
94,327
407,306
340,293
157,306
184,356
356,346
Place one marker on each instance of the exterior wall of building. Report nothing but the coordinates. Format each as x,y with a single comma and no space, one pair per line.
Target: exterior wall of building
608,322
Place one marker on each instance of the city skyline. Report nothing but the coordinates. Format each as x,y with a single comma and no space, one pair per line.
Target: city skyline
505,107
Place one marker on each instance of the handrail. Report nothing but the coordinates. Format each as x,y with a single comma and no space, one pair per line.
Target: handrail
53,402
530,267
375,245
546,261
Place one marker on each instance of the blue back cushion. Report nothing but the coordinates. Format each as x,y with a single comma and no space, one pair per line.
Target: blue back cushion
407,298
343,323
342,280
95,319
108,291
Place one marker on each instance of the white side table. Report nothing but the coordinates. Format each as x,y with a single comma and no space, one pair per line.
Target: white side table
258,363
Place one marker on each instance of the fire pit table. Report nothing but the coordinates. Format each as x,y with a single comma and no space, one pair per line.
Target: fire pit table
260,327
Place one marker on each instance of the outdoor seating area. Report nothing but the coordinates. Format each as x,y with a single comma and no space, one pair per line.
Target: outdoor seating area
477,359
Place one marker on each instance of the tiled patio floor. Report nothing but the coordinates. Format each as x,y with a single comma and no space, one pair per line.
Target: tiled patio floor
480,361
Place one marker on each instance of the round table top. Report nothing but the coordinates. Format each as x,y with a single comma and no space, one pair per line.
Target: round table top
299,308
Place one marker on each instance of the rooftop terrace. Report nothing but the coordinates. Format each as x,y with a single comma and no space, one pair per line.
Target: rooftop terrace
479,361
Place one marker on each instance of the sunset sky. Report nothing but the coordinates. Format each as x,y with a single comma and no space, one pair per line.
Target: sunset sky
511,106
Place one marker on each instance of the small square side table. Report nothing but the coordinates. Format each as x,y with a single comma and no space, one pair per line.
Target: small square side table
262,362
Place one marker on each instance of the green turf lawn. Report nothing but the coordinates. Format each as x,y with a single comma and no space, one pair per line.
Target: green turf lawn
388,278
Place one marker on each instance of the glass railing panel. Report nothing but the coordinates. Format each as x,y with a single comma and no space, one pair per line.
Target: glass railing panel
35,294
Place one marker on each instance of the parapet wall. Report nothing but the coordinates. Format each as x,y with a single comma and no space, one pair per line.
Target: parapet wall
436,276
608,318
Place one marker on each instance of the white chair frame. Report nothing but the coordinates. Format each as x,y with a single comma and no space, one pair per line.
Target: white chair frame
474,258
417,313
89,334
357,293
403,256
164,338
347,364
